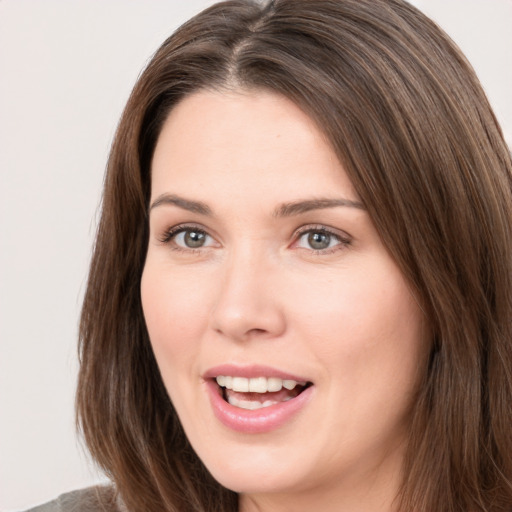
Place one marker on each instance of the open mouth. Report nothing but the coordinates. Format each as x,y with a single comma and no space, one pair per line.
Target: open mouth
256,393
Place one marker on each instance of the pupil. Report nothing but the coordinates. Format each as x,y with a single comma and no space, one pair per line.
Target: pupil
194,239
319,240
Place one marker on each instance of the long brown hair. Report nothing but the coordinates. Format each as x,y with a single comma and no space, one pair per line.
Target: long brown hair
409,121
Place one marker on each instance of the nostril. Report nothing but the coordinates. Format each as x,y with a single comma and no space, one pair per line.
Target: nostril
257,331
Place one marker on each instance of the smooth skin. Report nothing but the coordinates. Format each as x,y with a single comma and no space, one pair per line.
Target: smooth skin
235,275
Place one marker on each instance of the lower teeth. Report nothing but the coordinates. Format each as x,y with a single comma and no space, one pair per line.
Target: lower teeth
244,401
252,404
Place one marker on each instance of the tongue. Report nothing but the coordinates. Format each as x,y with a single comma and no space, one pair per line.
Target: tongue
277,396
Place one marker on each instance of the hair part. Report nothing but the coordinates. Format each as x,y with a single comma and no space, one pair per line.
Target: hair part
413,129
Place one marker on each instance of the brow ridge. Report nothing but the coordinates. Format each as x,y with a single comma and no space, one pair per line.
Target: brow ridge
298,207
283,210
186,204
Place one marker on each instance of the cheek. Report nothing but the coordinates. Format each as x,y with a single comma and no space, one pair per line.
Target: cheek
341,312
175,315
363,322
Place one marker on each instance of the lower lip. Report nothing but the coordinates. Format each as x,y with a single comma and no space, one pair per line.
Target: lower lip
256,421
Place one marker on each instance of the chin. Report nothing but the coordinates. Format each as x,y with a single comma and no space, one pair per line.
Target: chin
254,481
257,473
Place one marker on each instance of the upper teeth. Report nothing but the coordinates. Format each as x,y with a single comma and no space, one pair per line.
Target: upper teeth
255,385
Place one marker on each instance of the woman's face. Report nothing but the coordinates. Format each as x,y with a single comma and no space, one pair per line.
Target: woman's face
264,272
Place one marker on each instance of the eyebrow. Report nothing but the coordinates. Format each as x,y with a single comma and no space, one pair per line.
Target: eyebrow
298,207
284,210
185,204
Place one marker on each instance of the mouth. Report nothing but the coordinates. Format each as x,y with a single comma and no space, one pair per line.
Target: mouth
258,392
256,399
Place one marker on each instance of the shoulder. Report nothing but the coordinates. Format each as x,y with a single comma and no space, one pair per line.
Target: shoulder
93,499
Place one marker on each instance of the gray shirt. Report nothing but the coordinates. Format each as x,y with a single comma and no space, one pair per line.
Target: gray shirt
93,499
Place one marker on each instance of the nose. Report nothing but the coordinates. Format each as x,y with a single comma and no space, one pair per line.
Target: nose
248,304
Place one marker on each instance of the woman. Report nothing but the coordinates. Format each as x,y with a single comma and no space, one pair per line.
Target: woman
300,294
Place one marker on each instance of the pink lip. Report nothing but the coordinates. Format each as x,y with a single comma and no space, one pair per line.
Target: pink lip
256,421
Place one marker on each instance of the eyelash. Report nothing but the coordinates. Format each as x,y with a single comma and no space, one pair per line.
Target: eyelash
171,233
343,241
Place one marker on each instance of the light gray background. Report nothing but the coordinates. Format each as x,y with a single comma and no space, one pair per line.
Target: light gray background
66,70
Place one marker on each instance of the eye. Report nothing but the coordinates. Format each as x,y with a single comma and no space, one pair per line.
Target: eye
183,237
321,239
191,238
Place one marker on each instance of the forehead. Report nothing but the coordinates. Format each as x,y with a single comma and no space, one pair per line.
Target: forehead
244,142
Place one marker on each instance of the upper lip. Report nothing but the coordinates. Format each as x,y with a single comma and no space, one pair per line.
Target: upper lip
251,371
